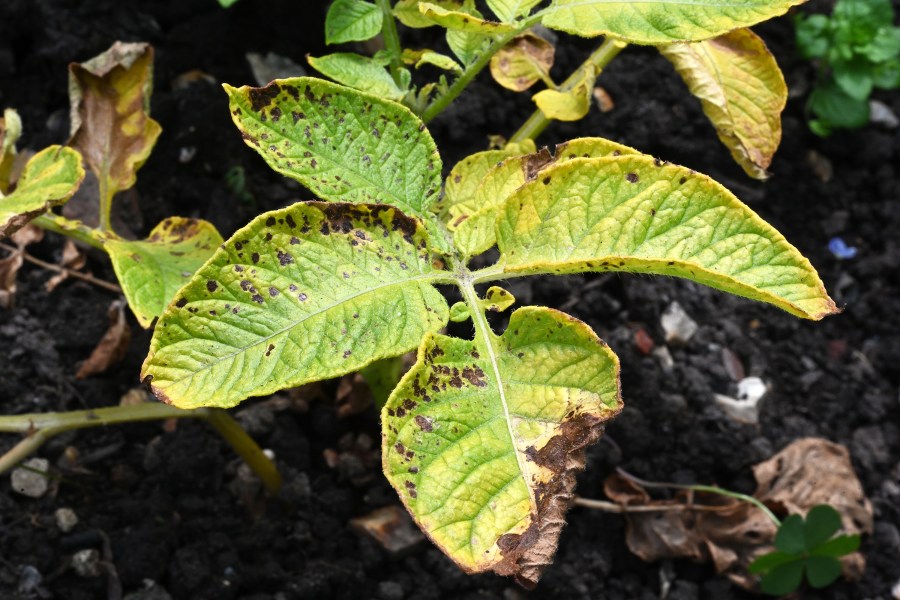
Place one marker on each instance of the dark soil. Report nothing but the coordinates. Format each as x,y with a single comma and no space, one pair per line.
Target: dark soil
164,498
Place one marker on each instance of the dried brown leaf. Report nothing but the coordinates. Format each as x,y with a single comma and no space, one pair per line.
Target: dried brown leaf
523,62
112,346
72,258
9,266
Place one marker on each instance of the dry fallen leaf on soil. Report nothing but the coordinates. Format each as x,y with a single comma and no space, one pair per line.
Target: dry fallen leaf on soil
731,533
9,266
72,258
112,346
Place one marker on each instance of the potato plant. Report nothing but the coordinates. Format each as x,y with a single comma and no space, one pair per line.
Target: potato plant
482,437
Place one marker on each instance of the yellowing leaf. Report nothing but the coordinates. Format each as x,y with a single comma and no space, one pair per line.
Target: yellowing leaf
407,12
430,57
111,126
634,213
523,62
352,21
462,21
359,72
660,21
10,130
343,145
508,10
742,91
306,293
49,179
482,440
568,105
151,271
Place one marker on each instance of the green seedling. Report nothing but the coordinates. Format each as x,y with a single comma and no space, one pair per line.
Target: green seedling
858,50
482,437
726,66
805,548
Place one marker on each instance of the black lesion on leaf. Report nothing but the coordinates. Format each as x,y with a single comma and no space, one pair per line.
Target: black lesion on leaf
269,349
632,178
211,286
264,96
284,258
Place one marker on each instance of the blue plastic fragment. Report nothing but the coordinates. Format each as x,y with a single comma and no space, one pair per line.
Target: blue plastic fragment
841,250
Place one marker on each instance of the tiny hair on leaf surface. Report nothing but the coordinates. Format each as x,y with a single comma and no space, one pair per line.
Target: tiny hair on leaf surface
482,439
301,294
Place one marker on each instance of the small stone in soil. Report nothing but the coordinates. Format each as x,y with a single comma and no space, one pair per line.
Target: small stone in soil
390,590
30,580
751,389
66,519
741,411
666,362
678,326
86,563
151,591
29,479
895,591
391,527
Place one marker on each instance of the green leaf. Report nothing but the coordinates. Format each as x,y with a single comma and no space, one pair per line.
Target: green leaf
151,271
886,76
637,214
48,179
822,571
482,439
508,10
309,292
407,12
456,20
352,21
382,377
467,46
343,145
839,110
885,45
854,77
660,21
766,562
783,579
837,547
822,522
359,72
789,538
742,91
812,35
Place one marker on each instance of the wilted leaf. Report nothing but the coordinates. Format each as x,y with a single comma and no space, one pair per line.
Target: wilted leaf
571,104
638,214
742,91
524,61
152,270
430,57
306,293
310,130
111,125
9,266
509,10
72,259
482,439
456,20
49,179
660,21
352,21
10,130
359,72
408,13
112,347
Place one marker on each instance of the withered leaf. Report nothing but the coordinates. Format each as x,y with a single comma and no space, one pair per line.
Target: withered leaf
10,130
112,346
523,62
72,258
9,266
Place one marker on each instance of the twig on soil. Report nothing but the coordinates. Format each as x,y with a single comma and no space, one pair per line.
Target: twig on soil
69,272
613,507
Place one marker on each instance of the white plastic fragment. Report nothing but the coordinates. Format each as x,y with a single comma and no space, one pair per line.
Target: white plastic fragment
678,326
880,113
66,519
29,479
751,389
742,411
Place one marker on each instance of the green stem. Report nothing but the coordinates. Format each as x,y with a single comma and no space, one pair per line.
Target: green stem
443,101
74,229
106,198
40,427
598,60
391,39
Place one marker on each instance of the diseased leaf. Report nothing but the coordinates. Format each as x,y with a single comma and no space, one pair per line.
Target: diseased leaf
359,72
637,214
343,145
524,61
151,271
483,439
352,21
659,21
10,130
569,105
462,21
742,91
309,292
48,179
408,13
430,57
111,125
509,10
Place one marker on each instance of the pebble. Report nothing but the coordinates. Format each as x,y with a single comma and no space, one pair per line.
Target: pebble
895,591
678,326
390,526
751,389
664,357
66,519
151,591
390,590
86,563
880,113
26,481
30,580
742,411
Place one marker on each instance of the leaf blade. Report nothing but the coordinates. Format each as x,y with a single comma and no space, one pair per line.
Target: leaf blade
359,72
308,292
637,214
352,21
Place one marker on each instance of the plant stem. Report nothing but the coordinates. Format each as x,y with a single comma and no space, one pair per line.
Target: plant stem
106,198
443,101
74,229
391,39
598,60
40,427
